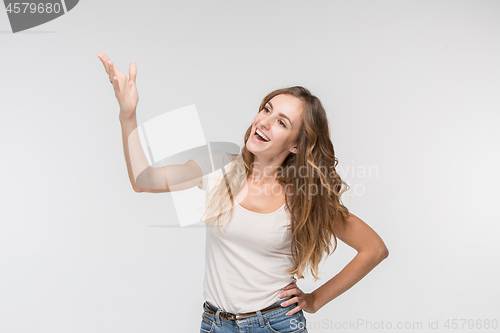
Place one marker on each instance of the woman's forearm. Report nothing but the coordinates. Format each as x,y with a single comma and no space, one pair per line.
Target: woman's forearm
353,272
135,158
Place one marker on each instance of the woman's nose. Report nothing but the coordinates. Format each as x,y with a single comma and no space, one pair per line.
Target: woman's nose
266,122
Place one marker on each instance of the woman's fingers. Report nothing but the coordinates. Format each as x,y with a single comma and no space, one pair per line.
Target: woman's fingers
114,79
104,59
132,71
109,66
106,62
116,84
111,69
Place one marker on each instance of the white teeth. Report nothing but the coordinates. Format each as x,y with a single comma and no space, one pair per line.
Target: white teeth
262,135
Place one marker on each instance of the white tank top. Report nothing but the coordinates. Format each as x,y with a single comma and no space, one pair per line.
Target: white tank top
244,267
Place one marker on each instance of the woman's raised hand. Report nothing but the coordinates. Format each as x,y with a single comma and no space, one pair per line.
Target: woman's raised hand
125,88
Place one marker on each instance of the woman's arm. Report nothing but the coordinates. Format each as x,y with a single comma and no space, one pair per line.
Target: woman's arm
142,176
371,251
127,96
137,162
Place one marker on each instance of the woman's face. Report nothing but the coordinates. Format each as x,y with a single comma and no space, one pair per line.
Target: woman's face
280,122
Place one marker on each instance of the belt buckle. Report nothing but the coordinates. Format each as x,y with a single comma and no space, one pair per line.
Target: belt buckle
222,314
238,317
230,316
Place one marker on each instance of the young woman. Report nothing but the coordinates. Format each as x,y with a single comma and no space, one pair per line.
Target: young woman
276,206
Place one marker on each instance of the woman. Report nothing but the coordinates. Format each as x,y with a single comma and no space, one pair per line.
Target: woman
280,202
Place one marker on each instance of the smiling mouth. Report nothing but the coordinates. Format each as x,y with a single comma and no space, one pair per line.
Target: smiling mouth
258,137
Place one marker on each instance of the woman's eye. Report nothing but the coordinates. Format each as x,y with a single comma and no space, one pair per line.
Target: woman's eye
282,123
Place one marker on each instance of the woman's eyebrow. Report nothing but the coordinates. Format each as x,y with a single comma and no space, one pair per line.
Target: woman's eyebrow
281,114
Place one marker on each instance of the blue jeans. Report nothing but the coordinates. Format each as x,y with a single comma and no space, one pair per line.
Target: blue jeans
271,322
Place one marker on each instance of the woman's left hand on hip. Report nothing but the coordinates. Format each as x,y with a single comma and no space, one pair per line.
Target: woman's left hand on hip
304,301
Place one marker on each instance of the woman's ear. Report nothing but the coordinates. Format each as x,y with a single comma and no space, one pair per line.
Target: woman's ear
294,149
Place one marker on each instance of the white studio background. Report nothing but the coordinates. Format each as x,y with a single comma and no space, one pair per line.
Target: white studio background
412,92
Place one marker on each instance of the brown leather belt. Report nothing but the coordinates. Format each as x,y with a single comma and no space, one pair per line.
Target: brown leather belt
230,316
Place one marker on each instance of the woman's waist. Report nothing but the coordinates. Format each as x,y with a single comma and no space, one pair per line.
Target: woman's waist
243,300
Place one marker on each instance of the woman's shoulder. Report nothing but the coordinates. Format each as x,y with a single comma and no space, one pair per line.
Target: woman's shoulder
224,155
223,158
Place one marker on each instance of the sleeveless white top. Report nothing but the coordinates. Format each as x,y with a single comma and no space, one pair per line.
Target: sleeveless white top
245,266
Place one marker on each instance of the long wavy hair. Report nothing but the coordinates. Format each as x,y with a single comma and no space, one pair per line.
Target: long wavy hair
313,188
